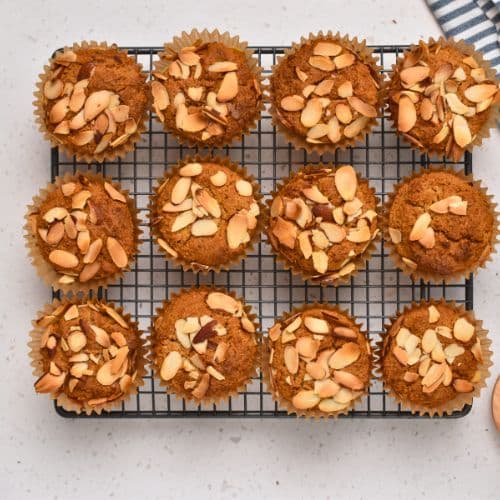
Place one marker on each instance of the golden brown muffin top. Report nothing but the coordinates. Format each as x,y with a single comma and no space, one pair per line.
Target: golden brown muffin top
85,229
205,214
322,219
325,91
89,353
319,359
206,93
94,98
431,353
440,97
204,344
441,224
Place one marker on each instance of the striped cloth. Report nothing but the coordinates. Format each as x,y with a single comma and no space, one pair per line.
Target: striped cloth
475,21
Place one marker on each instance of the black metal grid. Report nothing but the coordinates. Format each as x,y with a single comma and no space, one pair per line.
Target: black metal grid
372,296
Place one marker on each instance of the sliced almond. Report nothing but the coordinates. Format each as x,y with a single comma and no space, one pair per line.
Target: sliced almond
349,353
407,114
244,187
444,331
344,332
426,109
343,113
359,235
237,230
83,241
441,135
194,122
305,244
229,87
334,232
434,373
93,251
218,179
59,110
89,271
311,114
478,93
320,261
327,49
222,67
55,234
291,359
96,103
171,365
410,377
429,340
326,388
461,131
355,127
334,135
117,252
180,190
414,75
114,193
455,104
285,231
344,60
83,137
317,131
324,87
224,302
345,89
191,170
321,62
348,380
428,239
62,258
50,383
346,182
160,95
458,208
395,235
121,113
304,400
362,107
463,330
77,341
101,336
433,314
316,325
419,227
204,227
292,103
401,355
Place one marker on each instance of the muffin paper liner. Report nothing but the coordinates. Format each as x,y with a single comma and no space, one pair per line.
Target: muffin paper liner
44,269
313,413
186,395
417,274
188,40
494,109
462,399
359,261
261,219
366,55
109,154
64,401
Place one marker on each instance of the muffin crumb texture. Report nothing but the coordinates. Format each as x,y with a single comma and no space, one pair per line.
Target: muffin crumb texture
93,99
204,345
89,353
206,93
85,230
326,92
441,224
322,221
205,214
430,354
319,361
440,98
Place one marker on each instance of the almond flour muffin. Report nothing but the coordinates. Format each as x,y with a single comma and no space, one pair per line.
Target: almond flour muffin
87,355
443,97
82,232
204,345
207,88
434,357
326,92
93,101
206,213
318,361
440,225
322,222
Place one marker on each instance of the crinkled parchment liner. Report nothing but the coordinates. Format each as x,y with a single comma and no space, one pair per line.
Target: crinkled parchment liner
417,274
64,401
186,395
188,40
494,109
285,403
359,260
461,399
44,268
261,219
366,56
109,154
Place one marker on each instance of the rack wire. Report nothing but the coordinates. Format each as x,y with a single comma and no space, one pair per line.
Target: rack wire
372,296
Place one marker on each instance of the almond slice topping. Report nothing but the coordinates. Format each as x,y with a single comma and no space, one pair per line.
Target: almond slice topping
114,193
117,252
348,380
327,49
344,60
222,67
362,107
229,87
62,258
421,224
204,227
311,114
478,93
237,230
346,182
461,131
291,358
305,400
244,187
292,103
316,325
171,365
321,62
180,190
415,74
349,353
463,330
407,114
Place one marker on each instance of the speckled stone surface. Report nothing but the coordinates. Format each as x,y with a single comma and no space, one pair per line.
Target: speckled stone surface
45,457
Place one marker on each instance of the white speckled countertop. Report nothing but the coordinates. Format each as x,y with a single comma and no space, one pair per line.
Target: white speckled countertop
44,456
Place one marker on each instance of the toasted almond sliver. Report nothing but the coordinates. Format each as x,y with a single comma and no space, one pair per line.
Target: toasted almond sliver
237,230
292,103
346,182
478,93
114,193
117,252
362,107
311,114
228,89
62,258
171,365
407,114
95,103
461,131
305,400
204,227
463,330
461,385
244,187
328,49
356,127
180,190
349,353
415,74
345,89
320,261
218,179
395,235
344,60
421,224
316,325
160,95
93,251
321,62
223,67
348,380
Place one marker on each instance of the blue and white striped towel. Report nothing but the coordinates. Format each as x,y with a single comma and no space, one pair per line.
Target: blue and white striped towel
475,21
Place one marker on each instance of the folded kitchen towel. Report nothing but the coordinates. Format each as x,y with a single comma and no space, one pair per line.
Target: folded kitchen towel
475,21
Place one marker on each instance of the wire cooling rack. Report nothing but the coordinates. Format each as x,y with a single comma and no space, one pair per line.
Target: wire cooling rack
372,296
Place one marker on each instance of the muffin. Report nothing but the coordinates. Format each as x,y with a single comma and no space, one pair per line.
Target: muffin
318,361
207,88
92,102
204,344
82,232
326,92
434,357
206,213
322,223
87,355
443,97
440,225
